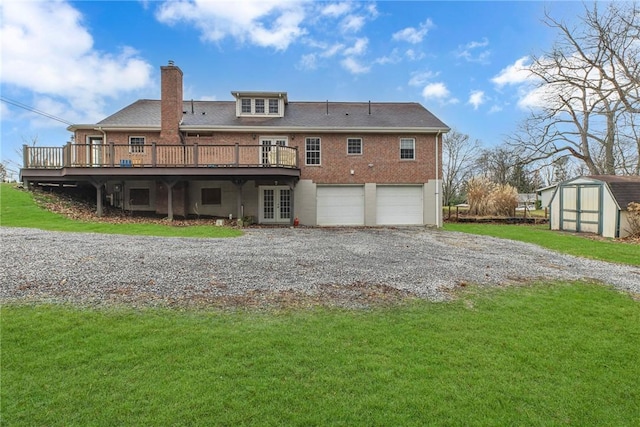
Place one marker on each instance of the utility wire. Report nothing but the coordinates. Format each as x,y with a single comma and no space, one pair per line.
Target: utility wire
33,110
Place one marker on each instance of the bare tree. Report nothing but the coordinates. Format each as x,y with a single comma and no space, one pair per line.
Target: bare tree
587,91
458,160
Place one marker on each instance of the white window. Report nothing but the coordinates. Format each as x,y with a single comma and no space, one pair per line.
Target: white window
273,106
246,105
354,145
407,149
312,151
259,106
136,144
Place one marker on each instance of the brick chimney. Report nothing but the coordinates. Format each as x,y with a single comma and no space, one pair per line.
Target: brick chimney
170,104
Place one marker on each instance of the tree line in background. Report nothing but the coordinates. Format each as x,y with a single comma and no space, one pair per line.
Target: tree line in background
584,117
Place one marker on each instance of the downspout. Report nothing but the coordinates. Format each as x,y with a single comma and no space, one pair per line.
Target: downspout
437,192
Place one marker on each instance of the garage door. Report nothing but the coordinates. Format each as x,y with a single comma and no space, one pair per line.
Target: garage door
399,205
340,205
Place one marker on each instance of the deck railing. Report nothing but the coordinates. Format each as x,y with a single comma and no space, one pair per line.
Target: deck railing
157,155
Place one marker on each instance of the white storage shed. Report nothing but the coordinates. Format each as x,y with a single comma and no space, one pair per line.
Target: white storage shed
594,204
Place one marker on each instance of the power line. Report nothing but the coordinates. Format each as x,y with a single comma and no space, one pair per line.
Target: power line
34,110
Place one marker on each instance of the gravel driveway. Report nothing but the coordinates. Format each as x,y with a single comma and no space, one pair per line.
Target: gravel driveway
266,266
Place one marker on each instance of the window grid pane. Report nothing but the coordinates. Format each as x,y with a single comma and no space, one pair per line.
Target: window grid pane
259,106
312,146
273,106
136,144
354,146
246,105
407,149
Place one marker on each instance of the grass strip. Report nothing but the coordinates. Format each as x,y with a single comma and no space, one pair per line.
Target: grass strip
564,354
19,209
572,244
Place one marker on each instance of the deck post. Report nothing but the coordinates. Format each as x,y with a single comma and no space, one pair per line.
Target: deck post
25,156
170,184
239,183
292,215
98,185
154,154
195,154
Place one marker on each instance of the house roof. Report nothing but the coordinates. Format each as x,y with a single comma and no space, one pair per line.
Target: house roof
625,189
221,115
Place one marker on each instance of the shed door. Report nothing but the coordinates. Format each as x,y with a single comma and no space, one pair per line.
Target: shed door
399,205
581,208
340,205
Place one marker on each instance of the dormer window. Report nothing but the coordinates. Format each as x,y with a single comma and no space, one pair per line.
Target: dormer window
246,105
273,106
261,104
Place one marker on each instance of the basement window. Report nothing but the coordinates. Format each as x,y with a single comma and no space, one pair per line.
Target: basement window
139,197
211,196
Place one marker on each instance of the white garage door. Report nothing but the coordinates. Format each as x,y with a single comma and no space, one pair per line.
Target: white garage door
399,205
340,205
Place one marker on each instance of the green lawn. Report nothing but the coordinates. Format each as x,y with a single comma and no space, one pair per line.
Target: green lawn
18,209
563,354
605,250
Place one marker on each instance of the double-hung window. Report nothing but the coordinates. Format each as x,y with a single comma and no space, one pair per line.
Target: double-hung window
246,105
259,106
273,106
354,145
407,149
136,144
312,150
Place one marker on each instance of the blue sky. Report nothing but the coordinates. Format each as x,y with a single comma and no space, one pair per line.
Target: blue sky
82,61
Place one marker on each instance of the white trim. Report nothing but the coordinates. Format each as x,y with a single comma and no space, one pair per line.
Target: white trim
319,151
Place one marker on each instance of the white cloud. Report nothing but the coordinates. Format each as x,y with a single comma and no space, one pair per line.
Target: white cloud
336,9
354,66
435,90
413,35
516,73
495,109
412,55
358,48
474,52
421,78
247,21
393,58
477,98
308,62
352,24
47,50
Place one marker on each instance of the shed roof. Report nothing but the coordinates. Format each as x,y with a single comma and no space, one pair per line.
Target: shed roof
625,189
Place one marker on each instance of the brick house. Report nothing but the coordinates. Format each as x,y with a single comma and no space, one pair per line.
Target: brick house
325,163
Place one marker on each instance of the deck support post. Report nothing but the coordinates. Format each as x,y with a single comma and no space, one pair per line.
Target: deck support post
170,184
239,183
292,215
98,184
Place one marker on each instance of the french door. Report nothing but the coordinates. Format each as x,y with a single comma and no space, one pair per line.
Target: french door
275,204
267,144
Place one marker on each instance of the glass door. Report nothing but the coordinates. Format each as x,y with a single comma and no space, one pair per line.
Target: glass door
267,152
275,204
